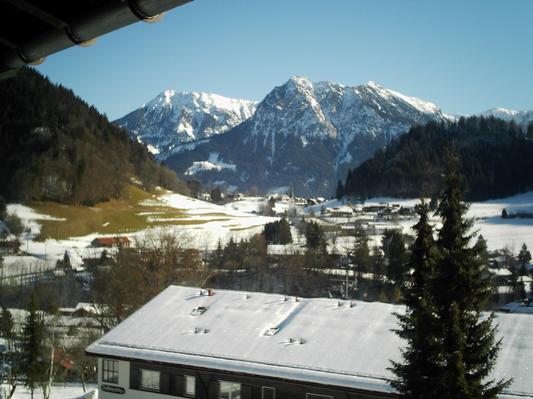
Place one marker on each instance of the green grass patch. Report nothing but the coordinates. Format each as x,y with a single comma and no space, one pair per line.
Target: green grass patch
117,216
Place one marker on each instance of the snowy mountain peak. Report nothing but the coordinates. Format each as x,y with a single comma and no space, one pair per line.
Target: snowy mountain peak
425,107
374,85
174,118
523,118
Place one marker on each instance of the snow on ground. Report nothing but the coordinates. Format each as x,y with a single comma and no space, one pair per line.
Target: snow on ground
248,204
205,223
498,232
29,217
14,265
218,222
202,226
59,391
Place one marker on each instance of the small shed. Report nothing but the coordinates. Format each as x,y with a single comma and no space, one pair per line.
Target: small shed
111,242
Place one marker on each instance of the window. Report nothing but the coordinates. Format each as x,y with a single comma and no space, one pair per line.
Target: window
150,379
317,396
268,393
110,371
190,386
230,390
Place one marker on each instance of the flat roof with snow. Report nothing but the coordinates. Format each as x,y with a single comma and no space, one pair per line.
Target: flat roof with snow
326,341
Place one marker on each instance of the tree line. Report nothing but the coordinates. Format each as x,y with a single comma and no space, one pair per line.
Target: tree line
56,147
495,157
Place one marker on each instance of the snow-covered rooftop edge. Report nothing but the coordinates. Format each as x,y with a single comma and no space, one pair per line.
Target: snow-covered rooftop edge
344,345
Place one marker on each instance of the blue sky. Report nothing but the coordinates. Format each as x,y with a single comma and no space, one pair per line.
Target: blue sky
466,56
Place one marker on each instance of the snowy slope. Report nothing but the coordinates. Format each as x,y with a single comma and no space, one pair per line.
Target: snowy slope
174,118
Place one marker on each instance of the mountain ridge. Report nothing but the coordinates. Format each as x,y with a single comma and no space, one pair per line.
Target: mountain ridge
344,124
305,134
174,118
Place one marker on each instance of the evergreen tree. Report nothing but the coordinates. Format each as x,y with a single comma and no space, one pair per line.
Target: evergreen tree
6,323
451,349
396,255
524,257
378,262
529,133
415,376
361,252
339,192
482,250
469,347
314,236
278,232
33,362
3,208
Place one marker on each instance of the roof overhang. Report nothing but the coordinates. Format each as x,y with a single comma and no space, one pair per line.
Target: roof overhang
38,29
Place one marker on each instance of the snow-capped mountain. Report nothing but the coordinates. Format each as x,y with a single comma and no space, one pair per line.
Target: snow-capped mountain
522,118
174,118
307,135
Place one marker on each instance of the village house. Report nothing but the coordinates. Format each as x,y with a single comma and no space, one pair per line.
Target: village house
9,246
111,242
221,344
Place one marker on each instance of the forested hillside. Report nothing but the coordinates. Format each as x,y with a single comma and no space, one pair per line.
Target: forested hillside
496,161
56,147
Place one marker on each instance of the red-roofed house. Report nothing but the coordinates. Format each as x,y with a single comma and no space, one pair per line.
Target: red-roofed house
109,242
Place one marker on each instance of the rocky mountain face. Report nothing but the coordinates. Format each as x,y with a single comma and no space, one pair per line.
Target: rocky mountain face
173,119
305,135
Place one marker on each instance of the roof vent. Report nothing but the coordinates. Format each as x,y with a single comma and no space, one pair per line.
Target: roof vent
285,298
198,330
352,304
271,331
339,304
296,299
301,341
246,296
198,311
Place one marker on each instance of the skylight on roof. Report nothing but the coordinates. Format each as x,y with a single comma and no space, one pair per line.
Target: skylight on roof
198,311
271,331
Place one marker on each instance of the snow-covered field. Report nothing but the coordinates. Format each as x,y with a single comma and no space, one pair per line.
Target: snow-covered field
59,391
202,226
500,233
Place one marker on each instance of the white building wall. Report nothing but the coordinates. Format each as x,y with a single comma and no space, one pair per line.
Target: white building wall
124,382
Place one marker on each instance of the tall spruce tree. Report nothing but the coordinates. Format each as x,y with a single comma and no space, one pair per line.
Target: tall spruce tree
33,356
6,323
451,347
420,367
469,346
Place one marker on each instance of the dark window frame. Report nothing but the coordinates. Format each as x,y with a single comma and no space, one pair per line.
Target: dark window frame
110,371
148,389
310,395
267,388
228,382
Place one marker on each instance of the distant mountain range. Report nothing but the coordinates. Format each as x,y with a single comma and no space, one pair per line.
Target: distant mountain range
302,134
